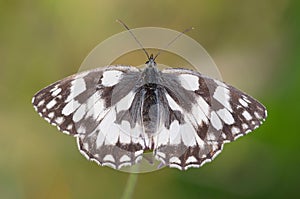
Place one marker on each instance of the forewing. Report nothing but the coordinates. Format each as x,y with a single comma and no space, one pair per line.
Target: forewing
214,113
85,105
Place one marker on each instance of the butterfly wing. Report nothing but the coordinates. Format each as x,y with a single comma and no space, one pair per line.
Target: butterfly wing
101,108
86,105
214,113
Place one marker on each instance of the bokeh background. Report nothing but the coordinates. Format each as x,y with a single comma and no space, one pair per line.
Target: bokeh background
254,43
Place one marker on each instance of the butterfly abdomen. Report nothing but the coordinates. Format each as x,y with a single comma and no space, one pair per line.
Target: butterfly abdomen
150,108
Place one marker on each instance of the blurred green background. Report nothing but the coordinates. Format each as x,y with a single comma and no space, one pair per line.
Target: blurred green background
254,43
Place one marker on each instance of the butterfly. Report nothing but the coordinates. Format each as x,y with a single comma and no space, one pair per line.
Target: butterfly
117,113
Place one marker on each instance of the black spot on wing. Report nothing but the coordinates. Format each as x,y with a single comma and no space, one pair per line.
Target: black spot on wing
206,89
202,130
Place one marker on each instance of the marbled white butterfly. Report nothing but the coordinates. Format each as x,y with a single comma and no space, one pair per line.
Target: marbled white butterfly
119,112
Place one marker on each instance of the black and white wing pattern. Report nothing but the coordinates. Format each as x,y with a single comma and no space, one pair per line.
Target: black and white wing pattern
118,112
88,106
213,113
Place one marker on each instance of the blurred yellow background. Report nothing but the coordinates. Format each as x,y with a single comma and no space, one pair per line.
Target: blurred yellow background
254,43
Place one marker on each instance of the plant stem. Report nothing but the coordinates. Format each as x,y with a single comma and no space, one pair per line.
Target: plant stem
130,185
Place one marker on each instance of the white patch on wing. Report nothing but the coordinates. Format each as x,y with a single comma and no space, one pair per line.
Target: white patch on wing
111,77
245,126
92,100
247,115
221,94
163,137
59,120
215,121
210,136
220,83
109,165
190,159
243,102
110,129
109,133
175,160
257,115
54,88
51,104
81,130
226,116
40,103
125,131
189,81
178,133
78,86
235,130
98,110
80,112
203,105
175,135
32,100
95,107
199,141
173,105
246,99
125,158
175,166
56,92
112,136
136,136
51,115
197,116
125,102
187,135
69,127
224,136
100,138
70,107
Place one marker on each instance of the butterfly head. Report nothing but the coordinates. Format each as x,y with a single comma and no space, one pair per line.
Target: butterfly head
151,61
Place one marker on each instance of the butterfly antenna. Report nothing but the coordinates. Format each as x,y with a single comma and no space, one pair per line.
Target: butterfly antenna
173,40
127,28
